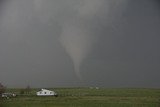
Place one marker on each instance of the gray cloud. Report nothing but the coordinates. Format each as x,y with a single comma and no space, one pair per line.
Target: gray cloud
109,43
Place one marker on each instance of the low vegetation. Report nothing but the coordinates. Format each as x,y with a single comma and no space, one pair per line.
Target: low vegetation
86,97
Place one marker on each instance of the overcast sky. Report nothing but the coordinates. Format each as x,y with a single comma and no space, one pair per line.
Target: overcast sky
65,43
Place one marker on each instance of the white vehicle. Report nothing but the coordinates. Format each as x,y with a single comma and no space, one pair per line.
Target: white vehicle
8,95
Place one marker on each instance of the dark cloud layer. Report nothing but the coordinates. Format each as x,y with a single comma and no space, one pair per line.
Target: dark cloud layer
107,43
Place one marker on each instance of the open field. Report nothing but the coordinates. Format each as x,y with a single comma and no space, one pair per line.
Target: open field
86,97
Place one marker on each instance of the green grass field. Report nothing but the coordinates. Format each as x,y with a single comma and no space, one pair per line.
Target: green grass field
85,97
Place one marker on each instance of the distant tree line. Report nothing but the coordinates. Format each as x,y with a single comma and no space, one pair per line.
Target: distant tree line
2,89
27,90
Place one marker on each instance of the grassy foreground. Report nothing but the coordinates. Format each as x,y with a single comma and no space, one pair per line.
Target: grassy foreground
86,97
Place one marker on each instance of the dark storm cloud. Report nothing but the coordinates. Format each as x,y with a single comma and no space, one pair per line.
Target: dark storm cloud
131,48
109,43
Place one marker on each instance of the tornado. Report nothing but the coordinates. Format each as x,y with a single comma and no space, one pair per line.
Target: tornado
76,39
77,44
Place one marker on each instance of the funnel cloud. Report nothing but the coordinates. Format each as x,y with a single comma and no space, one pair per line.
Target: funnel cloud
78,44
76,38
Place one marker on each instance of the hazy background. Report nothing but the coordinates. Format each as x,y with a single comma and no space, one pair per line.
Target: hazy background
63,43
